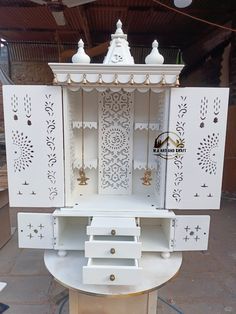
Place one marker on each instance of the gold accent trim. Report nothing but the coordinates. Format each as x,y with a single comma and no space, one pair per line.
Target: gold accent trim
116,82
163,80
84,79
55,81
147,81
99,81
177,83
131,81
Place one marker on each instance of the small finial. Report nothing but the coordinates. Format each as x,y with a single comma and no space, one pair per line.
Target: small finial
119,27
154,57
80,56
155,44
81,43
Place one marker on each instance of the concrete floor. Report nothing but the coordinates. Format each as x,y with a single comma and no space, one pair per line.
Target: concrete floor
206,283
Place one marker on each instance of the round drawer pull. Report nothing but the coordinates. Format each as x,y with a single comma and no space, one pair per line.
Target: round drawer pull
113,232
112,277
112,251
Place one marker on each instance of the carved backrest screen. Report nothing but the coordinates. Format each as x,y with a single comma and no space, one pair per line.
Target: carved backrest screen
116,112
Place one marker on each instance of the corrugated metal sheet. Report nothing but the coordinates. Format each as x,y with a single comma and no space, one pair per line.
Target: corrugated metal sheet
26,18
142,20
28,36
29,51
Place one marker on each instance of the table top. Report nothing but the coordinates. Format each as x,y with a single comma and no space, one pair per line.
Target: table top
156,272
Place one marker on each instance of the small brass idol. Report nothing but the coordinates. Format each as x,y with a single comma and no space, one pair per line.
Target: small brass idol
82,177
147,178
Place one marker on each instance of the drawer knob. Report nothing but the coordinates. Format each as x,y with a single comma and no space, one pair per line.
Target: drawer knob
113,232
112,277
112,251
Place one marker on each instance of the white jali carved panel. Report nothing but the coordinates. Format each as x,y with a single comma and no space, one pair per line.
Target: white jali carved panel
115,142
197,130
34,145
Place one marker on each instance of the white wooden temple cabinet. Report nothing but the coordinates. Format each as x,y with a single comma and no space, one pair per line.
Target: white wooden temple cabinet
115,147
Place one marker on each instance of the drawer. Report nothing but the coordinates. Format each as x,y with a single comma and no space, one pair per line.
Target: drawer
113,247
113,226
112,272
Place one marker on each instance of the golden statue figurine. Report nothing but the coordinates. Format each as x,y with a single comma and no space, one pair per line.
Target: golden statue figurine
82,177
147,178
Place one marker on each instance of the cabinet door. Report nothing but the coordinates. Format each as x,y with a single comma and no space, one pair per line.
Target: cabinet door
197,127
35,230
191,233
34,145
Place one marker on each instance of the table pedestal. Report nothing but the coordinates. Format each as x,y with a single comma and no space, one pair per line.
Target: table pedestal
80,303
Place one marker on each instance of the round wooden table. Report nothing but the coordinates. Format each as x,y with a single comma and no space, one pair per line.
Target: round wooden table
107,299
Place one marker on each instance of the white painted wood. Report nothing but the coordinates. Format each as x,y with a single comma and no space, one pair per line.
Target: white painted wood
198,117
34,145
155,272
88,164
115,142
80,56
112,272
154,57
148,108
119,226
69,144
73,142
113,247
101,73
114,213
145,126
153,239
85,124
100,202
156,234
162,117
70,232
142,165
191,233
35,230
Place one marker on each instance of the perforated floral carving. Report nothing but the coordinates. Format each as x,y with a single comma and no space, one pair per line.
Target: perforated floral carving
207,153
23,151
115,136
51,145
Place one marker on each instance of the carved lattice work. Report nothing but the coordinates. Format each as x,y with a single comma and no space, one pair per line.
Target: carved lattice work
115,142
159,174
